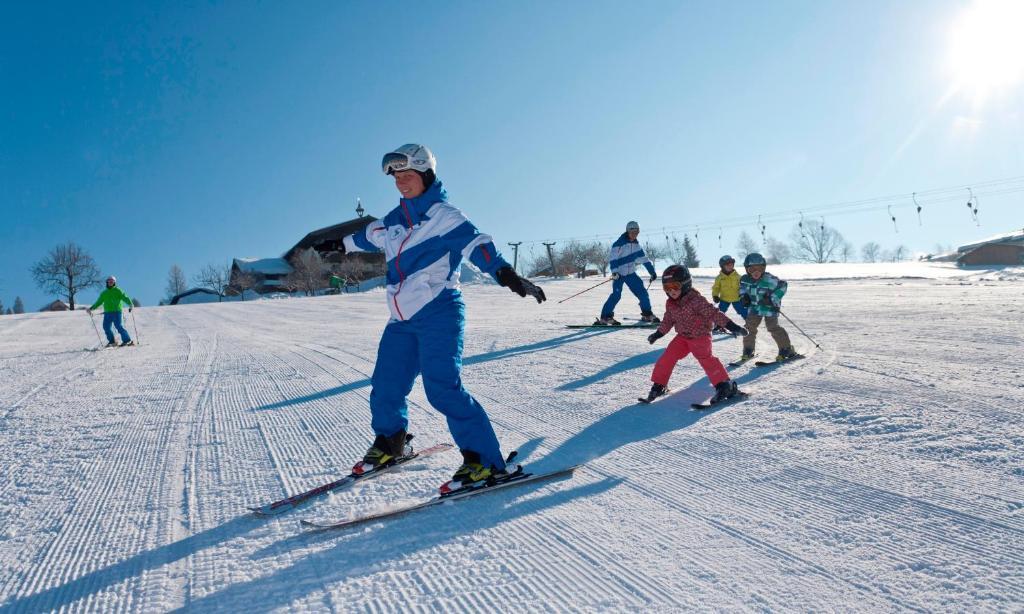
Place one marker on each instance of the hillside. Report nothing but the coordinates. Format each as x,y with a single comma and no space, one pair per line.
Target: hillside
885,471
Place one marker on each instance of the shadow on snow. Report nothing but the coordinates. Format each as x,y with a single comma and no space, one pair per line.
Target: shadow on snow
472,360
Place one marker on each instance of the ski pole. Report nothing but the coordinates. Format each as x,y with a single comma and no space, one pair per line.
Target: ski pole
95,328
135,325
587,290
800,329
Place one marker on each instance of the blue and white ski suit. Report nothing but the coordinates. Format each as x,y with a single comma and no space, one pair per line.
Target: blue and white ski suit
424,240
624,258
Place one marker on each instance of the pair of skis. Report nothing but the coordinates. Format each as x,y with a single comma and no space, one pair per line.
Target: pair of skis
615,326
289,503
739,396
766,363
516,478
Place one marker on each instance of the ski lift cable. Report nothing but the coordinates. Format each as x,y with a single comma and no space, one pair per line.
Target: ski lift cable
932,197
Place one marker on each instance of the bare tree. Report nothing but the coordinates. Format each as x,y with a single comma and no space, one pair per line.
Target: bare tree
308,274
574,257
896,254
778,251
846,251
19,305
815,243
66,271
539,265
870,251
176,283
745,244
242,281
599,256
655,252
214,277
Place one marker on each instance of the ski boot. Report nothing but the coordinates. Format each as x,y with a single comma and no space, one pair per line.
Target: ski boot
608,321
471,474
718,330
657,390
743,358
787,354
723,391
649,317
111,345
127,343
383,452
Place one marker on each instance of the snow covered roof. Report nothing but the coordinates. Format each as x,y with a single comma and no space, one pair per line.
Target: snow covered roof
1017,236
267,266
196,295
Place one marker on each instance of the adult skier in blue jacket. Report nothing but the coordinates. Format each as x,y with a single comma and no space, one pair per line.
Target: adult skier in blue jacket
424,240
625,256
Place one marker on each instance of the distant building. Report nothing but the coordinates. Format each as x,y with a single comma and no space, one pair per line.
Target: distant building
196,295
270,274
1001,249
57,305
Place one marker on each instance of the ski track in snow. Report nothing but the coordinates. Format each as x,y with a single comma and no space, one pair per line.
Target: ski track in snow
882,472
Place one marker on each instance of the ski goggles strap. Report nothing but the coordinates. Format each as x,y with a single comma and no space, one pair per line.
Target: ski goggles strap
394,162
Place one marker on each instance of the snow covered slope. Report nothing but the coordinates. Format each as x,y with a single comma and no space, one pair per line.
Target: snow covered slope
883,472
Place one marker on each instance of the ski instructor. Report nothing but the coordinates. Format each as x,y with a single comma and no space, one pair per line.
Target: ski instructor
424,240
625,256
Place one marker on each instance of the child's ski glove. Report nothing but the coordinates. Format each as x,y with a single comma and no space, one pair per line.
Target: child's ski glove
651,338
736,329
716,299
745,299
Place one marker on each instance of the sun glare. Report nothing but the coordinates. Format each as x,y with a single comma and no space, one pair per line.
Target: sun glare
986,48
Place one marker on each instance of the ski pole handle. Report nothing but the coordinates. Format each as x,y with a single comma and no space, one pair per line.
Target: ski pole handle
587,290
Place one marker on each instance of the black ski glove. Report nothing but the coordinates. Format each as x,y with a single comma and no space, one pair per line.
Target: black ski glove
768,301
745,299
651,338
654,277
615,276
736,329
716,299
508,278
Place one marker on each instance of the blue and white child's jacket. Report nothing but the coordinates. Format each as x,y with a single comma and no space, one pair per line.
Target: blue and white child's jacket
626,255
424,240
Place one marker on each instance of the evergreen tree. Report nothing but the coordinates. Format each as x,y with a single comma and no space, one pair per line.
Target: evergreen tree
690,258
19,306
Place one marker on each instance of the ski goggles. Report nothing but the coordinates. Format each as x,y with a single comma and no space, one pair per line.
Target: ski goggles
394,162
670,286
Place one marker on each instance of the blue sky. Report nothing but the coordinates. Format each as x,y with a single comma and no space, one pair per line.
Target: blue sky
188,133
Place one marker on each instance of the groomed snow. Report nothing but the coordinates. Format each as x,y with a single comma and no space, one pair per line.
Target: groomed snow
883,472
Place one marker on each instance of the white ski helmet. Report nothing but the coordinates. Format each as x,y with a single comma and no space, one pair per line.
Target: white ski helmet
411,156
632,226
112,280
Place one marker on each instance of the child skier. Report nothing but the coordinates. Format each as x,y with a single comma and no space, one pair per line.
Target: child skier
623,259
424,240
726,289
112,298
692,316
761,292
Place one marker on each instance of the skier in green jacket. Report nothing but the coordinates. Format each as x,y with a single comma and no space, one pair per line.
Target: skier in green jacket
112,298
